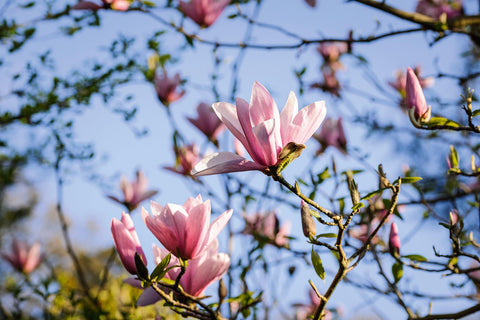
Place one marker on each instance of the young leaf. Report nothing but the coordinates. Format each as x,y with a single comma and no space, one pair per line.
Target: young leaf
159,270
317,264
397,271
415,257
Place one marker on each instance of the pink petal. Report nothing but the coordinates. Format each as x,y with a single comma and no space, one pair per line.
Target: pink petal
265,136
286,116
196,231
262,105
149,296
217,226
163,233
228,114
254,147
224,162
211,270
306,122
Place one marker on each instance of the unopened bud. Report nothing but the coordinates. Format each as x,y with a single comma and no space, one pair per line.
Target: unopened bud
353,188
222,290
394,241
308,224
290,152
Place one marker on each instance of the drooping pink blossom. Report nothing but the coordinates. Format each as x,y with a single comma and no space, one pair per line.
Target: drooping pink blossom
200,273
203,12
208,122
167,88
266,228
435,8
415,97
126,242
394,240
332,134
187,157
134,192
330,83
22,257
185,230
262,130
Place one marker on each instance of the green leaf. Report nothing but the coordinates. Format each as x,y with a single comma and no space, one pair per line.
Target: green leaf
408,180
415,257
444,225
439,121
326,235
397,271
142,270
317,264
159,270
358,206
149,3
475,113
453,157
371,194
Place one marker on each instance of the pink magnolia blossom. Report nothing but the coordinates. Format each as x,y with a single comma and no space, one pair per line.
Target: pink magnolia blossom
330,83
187,157
415,97
400,84
435,8
265,228
208,122
185,230
126,242
262,130
120,5
134,192
331,53
332,134
23,258
203,12
394,240
201,272
166,88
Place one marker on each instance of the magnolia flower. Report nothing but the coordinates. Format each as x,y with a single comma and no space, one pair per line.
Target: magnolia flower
187,157
185,230
134,192
331,53
435,8
262,130
415,98
203,12
266,229
394,240
166,88
330,83
400,84
120,5
126,242
201,272
23,258
208,122
332,134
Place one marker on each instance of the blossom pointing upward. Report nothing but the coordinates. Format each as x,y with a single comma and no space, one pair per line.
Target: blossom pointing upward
263,131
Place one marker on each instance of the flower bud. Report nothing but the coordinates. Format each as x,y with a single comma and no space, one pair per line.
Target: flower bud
308,224
394,241
416,99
